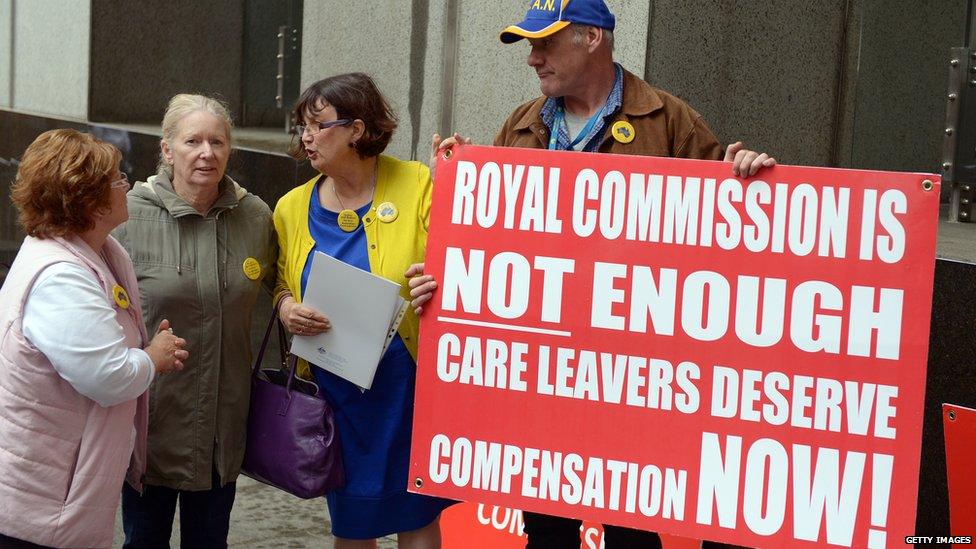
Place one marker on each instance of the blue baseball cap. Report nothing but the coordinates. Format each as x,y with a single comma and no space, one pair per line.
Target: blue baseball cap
546,17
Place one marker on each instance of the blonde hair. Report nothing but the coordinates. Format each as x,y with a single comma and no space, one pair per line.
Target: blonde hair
179,107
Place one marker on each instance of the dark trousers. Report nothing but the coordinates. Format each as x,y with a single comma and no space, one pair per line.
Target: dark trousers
549,532
7,542
147,519
545,532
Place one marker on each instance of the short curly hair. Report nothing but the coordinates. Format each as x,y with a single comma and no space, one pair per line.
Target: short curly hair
355,96
64,177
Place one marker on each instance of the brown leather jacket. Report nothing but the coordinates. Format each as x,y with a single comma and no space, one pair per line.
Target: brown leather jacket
663,126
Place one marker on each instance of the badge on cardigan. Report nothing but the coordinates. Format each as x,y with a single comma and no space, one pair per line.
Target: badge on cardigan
348,220
387,212
623,131
252,269
121,298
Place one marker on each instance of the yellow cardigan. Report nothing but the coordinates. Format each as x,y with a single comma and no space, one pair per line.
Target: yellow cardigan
393,246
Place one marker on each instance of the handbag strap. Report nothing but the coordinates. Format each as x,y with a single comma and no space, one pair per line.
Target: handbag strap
267,335
282,343
286,357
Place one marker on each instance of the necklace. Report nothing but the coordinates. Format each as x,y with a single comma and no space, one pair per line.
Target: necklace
348,219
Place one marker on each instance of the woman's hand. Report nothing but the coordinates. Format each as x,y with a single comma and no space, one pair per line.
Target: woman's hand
421,286
166,350
302,320
437,146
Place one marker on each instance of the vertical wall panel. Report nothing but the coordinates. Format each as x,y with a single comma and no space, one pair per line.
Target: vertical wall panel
371,36
51,56
761,72
900,104
145,52
490,78
6,51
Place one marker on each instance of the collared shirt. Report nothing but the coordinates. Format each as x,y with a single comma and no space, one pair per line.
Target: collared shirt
594,137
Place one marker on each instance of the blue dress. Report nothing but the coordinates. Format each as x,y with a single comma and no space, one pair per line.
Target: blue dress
374,427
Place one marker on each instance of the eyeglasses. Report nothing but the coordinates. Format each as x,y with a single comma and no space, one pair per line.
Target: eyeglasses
315,127
121,183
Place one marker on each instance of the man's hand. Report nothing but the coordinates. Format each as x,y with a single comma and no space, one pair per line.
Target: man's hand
437,145
746,163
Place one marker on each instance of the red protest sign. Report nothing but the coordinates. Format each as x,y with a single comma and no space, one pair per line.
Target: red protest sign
959,426
480,526
657,344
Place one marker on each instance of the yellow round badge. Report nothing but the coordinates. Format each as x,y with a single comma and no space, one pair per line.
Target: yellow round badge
121,298
252,269
623,131
348,220
387,212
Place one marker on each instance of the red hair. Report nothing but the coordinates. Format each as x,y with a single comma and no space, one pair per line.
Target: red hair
64,177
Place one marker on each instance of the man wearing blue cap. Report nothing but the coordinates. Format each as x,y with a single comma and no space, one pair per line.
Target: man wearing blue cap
592,104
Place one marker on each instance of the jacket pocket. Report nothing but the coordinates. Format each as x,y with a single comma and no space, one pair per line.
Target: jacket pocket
70,481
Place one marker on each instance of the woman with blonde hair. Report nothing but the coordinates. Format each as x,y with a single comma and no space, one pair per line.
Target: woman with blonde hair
202,246
76,360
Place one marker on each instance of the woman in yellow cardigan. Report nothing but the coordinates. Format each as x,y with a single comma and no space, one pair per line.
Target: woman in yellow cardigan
370,211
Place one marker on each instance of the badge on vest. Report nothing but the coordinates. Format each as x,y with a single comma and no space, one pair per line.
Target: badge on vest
252,269
623,131
121,298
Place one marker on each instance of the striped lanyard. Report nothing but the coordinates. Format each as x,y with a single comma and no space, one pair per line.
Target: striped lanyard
558,121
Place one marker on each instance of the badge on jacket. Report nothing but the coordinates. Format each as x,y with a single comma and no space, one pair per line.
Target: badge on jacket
623,131
252,269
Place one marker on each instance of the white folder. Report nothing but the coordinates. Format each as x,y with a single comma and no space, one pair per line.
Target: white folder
365,311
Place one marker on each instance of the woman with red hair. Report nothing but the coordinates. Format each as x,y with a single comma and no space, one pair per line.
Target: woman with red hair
75,360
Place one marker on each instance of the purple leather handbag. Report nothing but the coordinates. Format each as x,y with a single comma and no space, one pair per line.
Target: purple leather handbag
292,443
